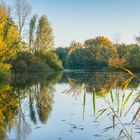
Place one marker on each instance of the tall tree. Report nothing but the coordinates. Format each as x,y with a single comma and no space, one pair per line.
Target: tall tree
22,11
32,27
9,39
44,36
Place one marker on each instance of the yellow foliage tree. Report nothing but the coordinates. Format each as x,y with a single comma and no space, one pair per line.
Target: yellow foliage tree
9,39
117,62
103,41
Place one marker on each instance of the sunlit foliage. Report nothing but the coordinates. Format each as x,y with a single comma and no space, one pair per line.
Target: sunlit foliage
44,36
99,53
9,39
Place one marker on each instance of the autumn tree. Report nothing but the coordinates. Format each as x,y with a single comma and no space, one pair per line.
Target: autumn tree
103,41
101,49
44,36
9,39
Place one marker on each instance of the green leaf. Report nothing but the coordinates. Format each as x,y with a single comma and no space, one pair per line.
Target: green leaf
84,104
101,112
118,99
126,100
94,102
111,95
135,100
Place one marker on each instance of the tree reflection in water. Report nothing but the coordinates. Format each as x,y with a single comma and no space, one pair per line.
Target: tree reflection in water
31,97
117,98
97,80
9,109
38,91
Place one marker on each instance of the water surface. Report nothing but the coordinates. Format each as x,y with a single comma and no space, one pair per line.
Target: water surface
69,106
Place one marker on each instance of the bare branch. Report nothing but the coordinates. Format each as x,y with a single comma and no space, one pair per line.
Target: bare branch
22,11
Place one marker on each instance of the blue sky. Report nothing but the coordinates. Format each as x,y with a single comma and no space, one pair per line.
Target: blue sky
82,19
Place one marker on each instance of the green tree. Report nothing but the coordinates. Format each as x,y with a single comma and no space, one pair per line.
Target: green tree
134,56
32,27
62,54
52,60
74,59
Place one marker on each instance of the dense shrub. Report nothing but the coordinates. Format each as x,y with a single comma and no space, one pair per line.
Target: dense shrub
28,62
52,60
38,66
20,66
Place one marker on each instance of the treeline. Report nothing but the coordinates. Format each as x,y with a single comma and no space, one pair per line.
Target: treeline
99,53
26,44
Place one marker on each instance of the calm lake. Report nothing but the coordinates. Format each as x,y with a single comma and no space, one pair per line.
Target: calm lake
70,106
